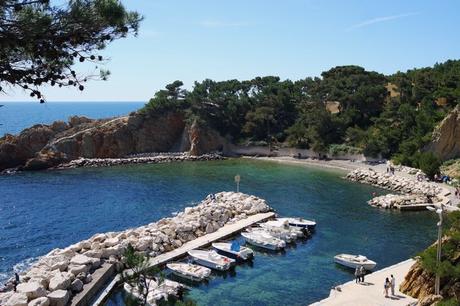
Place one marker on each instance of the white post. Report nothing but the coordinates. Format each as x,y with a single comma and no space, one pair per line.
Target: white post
237,181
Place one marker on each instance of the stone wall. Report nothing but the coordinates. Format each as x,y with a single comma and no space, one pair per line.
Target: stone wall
55,277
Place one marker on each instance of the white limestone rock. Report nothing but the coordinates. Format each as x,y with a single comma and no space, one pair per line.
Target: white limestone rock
41,301
77,269
59,297
17,299
59,281
81,260
31,289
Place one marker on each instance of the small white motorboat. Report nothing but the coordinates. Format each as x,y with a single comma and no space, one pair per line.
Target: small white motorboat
264,240
189,271
353,261
277,233
233,250
211,259
295,232
299,222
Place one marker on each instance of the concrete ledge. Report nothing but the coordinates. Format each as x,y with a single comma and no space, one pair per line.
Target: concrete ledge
100,278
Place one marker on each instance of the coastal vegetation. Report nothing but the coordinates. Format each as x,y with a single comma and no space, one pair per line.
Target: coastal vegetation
42,41
347,108
449,267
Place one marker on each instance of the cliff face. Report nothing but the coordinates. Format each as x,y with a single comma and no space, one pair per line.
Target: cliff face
419,284
44,146
445,141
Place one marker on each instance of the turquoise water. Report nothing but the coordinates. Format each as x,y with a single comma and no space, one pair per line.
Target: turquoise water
43,210
16,116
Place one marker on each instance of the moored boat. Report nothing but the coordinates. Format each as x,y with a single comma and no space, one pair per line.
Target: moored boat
263,240
211,259
189,271
233,250
279,233
300,222
353,261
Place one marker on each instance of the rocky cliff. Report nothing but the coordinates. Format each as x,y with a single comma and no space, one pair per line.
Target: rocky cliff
419,284
445,141
45,146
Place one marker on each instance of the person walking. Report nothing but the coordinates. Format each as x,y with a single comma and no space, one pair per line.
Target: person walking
357,276
385,287
362,272
392,284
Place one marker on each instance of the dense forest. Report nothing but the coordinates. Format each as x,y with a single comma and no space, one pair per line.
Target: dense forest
347,109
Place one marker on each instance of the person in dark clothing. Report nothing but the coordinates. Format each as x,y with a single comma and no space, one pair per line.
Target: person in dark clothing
16,281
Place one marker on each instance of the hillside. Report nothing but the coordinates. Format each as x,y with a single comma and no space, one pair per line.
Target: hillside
389,116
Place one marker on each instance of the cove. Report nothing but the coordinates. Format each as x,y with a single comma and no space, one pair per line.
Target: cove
43,210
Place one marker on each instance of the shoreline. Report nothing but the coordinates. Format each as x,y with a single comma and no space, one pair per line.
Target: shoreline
370,292
343,166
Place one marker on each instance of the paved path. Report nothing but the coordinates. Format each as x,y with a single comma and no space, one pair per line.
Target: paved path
370,293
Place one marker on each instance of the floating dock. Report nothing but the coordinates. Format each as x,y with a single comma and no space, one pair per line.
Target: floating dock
200,242
371,291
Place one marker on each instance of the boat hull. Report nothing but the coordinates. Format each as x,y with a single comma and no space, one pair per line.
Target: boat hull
238,256
352,265
211,265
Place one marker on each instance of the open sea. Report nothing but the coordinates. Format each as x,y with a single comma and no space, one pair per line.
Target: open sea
40,211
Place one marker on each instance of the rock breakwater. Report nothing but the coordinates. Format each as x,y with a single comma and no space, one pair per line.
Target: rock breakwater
144,159
60,274
411,192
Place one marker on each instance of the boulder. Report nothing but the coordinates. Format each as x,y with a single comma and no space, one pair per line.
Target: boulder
59,281
93,253
75,270
76,286
41,301
80,260
17,299
31,289
59,298
88,279
60,265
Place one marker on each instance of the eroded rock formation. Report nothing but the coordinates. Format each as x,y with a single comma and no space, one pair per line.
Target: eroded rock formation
445,141
45,146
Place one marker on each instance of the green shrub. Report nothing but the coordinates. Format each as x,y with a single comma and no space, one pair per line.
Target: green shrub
339,149
428,163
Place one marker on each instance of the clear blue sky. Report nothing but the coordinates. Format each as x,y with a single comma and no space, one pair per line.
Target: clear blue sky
193,40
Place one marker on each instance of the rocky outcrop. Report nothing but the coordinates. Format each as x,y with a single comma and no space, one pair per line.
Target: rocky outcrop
45,146
55,277
411,192
445,142
419,284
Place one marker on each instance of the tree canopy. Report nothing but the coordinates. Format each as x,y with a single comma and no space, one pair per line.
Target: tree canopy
388,116
40,42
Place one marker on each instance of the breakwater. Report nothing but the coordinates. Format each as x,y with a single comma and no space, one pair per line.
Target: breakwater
62,273
412,194
155,158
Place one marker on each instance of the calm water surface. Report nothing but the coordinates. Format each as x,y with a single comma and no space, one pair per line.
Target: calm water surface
44,210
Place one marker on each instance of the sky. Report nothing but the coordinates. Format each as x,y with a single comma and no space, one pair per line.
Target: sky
191,40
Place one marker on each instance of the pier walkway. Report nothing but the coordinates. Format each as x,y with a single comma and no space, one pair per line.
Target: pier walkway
200,242
371,291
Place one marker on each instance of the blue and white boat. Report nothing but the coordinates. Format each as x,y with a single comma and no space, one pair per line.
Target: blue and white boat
233,250
299,222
